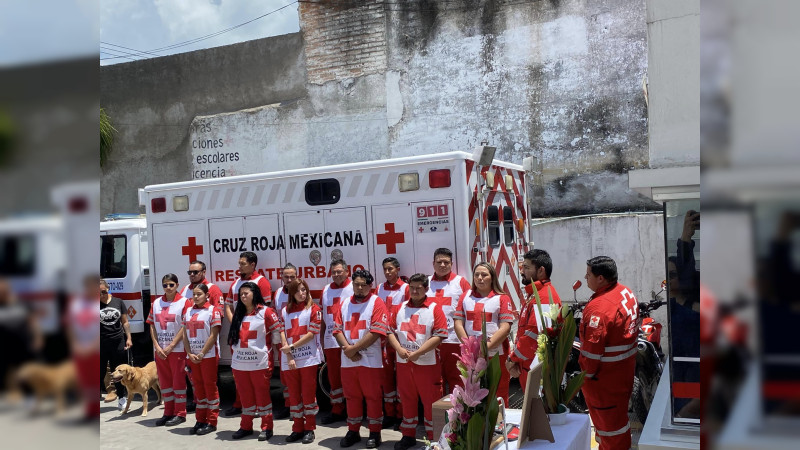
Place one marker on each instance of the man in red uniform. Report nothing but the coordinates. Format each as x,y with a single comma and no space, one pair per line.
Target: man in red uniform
536,270
332,296
418,327
608,332
447,289
394,292
247,272
197,276
279,300
360,323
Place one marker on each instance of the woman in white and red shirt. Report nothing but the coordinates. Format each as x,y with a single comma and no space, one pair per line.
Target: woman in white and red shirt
254,329
166,331
201,327
301,319
487,297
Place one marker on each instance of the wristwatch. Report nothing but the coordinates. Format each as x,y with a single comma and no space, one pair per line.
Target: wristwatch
291,347
202,354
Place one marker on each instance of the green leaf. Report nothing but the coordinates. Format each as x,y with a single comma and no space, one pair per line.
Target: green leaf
573,386
491,420
475,432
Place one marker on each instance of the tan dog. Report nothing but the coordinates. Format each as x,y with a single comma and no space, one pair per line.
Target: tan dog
49,380
138,380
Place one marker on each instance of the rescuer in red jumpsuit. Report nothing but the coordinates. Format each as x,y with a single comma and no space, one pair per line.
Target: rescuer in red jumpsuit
608,332
393,293
279,300
332,296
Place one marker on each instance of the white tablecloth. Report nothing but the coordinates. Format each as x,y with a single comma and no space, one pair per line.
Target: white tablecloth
576,434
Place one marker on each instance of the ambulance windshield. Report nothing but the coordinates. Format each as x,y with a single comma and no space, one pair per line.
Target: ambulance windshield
113,256
17,255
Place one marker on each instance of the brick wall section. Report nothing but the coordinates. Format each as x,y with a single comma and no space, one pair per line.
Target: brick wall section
343,39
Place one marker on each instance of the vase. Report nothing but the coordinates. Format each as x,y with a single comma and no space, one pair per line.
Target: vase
559,418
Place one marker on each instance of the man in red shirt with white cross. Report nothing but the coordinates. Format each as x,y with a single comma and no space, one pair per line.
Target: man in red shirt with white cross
394,292
247,272
197,276
332,295
360,323
447,289
608,332
537,266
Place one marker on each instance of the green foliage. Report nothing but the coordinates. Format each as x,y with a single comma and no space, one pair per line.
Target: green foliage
107,132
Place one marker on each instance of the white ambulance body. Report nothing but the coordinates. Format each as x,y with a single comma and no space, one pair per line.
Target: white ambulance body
362,212
124,264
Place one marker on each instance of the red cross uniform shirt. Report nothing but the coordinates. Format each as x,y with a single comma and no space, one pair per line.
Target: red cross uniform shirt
83,317
527,329
168,319
498,309
414,326
394,295
198,323
259,331
354,320
332,296
448,292
280,299
263,285
214,292
297,322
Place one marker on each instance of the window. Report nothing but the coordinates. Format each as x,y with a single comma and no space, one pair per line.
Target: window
508,225
113,256
17,255
493,223
322,192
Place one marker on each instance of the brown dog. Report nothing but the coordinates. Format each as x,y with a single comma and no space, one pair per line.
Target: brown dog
49,380
138,380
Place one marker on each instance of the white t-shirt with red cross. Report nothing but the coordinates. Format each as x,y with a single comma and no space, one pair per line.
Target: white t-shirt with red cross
168,319
413,326
498,309
354,320
447,292
394,294
263,285
214,292
82,317
332,296
297,322
259,331
197,323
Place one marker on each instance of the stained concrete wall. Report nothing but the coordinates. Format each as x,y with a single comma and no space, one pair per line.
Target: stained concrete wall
561,80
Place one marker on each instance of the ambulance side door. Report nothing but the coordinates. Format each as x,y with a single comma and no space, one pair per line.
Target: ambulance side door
393,228
346,236
264,239
175,246
311,262
433,228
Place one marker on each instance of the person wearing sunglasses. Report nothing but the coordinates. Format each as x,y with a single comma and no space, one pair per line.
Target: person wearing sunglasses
197,276
166,331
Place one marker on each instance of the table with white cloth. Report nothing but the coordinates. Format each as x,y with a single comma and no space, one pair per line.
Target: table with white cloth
576,434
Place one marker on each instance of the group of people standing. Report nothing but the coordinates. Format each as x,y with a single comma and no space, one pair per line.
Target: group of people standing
389,346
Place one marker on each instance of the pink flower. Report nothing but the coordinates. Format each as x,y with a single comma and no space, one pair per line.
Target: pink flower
463,417
451,437
471,394
481,365
470,352
452,415
458,407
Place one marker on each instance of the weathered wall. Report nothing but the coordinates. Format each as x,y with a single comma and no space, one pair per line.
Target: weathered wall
561,80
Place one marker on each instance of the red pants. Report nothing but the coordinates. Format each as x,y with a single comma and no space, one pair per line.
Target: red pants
389,385
505,378
204,380
333,357
423,382
88,368
172,379
302,385
448,354
362,383
253,386
523,378
608,408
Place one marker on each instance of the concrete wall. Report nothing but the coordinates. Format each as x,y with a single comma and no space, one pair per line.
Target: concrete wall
561,80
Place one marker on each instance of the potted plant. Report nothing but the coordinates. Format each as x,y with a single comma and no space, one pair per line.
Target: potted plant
555,344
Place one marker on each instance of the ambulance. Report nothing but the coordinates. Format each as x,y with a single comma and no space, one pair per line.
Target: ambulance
362,212
124,264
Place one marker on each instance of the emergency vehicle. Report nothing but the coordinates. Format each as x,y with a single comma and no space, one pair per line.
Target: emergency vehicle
362,212
124,264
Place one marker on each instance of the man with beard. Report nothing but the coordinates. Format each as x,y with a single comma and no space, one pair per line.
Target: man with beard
197,276
536,270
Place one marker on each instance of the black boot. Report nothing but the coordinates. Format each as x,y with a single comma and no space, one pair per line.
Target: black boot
374,439
349,439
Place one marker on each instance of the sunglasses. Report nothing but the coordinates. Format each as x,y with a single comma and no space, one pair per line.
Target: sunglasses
104,292
192,272
166,285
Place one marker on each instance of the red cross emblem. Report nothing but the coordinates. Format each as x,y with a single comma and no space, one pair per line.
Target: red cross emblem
192,250
390,238
475,316
245,334
296,331
164,317
355,325
412,327
193,325
332,308
442,300
87,317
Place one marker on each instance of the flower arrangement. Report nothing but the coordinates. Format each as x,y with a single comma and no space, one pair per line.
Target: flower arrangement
555,344
474,413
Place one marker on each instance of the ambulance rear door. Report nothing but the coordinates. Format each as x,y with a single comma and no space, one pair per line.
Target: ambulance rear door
501,241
